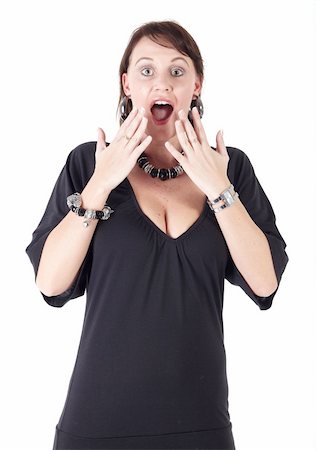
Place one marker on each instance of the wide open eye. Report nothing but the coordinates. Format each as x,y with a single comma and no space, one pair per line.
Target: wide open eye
177,72
147,71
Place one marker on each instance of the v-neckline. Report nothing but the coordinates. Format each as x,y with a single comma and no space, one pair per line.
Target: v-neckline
158,229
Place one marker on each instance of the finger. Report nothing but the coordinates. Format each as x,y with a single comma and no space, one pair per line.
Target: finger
192,136
198,126
137,136
122,130
101,140
182,137
221,148
129,131
140,148
144,136
175,153
135,124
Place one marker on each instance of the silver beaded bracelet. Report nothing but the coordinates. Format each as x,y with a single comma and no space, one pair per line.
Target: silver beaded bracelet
74,202
228,197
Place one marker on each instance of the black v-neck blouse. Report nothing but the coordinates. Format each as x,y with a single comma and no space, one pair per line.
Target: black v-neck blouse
151,358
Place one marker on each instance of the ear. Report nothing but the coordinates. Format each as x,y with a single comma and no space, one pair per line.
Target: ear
125,84
198,85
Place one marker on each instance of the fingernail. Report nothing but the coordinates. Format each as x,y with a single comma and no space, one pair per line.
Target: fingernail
221,131
181,114
142,110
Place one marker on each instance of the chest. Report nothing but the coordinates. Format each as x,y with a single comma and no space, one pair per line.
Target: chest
172,205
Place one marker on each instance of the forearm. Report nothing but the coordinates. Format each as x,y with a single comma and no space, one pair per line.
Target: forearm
67,244
249,248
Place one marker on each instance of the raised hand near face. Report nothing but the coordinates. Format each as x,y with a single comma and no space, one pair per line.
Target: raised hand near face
206,168
115,161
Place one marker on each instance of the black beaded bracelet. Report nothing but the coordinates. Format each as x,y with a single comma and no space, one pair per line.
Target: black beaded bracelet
74,202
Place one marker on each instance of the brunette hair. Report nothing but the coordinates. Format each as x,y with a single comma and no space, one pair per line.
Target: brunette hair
168,34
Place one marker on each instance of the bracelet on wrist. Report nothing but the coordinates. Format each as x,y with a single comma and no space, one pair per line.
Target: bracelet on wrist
74,202
227,197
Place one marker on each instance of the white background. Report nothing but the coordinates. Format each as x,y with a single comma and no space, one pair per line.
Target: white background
59,82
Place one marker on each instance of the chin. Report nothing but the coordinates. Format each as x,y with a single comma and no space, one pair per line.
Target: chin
162,131
162,134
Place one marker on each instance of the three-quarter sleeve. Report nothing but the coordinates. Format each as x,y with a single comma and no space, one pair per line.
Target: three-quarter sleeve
254,199
72,178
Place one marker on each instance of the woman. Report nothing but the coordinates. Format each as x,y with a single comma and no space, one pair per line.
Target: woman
175,217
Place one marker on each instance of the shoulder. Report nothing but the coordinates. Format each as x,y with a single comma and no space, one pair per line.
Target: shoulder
239,166
80,162
84,151
83,155
240,170
237,156
239,163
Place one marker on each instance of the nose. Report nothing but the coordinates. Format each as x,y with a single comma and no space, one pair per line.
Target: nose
162,83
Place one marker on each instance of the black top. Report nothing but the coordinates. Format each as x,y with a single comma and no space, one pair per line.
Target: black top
151,358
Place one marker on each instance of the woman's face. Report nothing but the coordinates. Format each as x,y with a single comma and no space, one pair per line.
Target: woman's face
163,81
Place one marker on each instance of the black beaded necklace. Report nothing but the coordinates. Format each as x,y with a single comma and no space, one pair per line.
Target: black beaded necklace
162,174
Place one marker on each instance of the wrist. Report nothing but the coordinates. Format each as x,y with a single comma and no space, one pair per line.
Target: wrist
75,204
224,200
95,194
218,188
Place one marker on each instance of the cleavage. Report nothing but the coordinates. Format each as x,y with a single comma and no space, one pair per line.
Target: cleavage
170,209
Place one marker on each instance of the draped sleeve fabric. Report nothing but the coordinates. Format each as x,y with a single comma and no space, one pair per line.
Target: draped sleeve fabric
242,175
72,178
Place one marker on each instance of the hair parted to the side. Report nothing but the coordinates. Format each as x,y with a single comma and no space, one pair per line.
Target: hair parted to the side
168,34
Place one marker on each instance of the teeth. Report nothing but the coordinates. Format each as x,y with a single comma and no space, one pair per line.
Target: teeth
161,102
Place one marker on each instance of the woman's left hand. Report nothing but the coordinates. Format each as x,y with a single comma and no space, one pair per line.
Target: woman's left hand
206,167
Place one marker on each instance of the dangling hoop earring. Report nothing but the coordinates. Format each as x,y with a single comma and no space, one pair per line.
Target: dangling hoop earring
125,108
200,107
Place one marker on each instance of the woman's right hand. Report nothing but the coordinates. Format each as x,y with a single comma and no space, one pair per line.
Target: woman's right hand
114,162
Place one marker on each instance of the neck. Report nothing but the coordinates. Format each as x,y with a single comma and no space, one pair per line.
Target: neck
158,154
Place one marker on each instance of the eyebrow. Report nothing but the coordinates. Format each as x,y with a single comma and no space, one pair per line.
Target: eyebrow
172,60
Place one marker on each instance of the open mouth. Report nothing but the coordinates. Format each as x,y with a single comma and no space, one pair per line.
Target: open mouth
161,111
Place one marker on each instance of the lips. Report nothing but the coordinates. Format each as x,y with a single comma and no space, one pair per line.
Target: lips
161,111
